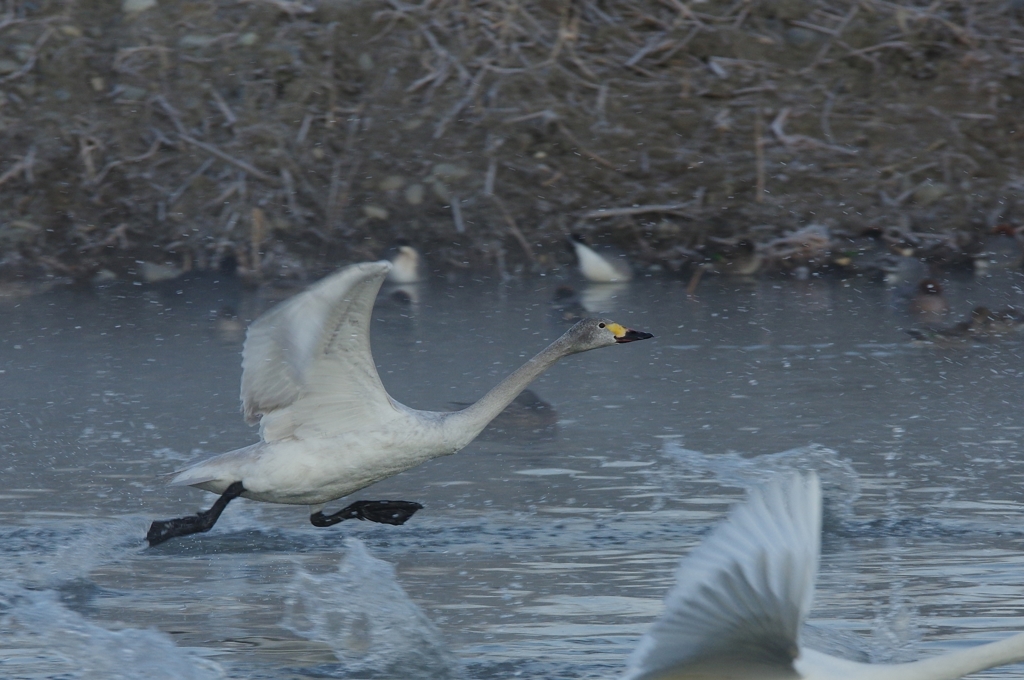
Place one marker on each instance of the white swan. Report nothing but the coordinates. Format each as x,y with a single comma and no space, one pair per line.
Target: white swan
598,267
405,266
741,598
327,426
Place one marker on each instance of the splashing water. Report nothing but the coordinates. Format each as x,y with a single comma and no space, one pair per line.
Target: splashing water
840,483
896,633
41,638
51,556
366,617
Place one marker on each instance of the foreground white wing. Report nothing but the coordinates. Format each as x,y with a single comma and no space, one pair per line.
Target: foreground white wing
742,595
307,364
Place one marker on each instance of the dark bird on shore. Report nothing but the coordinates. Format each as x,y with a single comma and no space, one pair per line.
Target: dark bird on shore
928,304
982,325
740,259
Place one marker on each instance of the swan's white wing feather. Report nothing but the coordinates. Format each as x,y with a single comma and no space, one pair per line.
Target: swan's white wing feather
596,267
742,595
306,364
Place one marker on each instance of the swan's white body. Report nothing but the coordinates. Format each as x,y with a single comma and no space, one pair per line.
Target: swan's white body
600,268
405,266
328,427
741,598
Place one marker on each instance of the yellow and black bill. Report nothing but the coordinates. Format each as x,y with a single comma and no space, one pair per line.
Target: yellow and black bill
623,334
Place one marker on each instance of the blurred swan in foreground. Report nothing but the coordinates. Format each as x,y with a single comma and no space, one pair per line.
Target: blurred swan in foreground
328,427
741,598
600,267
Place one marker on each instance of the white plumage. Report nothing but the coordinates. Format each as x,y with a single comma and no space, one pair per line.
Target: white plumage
405,266
600,267
741,598
328,427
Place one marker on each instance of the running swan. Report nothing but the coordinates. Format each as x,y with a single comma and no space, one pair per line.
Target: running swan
741,597
327,426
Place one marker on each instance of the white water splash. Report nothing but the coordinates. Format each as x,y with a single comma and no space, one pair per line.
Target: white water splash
51,555
840,483
40,638
366,617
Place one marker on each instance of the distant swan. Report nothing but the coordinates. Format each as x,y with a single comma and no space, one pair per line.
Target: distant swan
600,267
328,427
405,265
741,598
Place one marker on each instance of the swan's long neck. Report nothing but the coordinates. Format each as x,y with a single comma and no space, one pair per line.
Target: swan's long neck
949,666
466,424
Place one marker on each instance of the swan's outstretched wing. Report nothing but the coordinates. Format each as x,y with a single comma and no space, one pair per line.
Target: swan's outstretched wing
306,365
742,595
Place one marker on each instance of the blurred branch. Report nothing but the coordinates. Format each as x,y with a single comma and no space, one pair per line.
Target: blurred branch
32,56
290,7
24,165
237,162
672,208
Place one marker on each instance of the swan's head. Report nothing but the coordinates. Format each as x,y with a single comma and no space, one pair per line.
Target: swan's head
593,333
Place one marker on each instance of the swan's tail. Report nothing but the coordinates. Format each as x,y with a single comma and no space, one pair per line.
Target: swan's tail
225,468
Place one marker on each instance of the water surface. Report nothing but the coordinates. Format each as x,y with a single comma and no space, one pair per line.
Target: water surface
544,548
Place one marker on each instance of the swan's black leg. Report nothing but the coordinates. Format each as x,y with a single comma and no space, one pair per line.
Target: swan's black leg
160,531
383,512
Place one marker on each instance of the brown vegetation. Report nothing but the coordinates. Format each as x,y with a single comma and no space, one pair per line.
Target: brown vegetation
296,134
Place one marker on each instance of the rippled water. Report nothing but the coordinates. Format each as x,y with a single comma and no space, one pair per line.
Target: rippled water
545,547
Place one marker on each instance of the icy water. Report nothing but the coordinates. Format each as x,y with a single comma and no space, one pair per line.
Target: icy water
544,548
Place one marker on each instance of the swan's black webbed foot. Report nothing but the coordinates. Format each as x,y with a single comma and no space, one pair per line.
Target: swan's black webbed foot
383,512
161,530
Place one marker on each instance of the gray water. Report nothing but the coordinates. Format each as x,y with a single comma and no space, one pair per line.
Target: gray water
545,547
